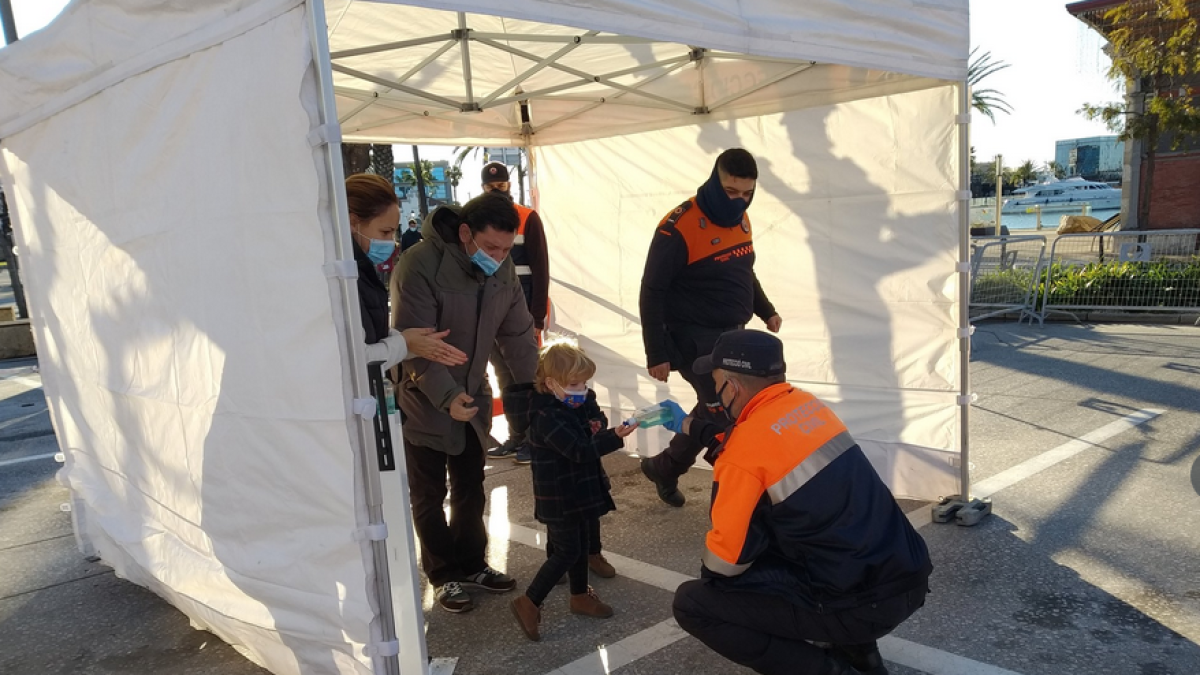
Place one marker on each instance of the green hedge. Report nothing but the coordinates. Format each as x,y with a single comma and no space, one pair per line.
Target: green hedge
1110,284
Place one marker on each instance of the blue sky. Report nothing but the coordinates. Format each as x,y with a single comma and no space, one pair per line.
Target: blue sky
1056,66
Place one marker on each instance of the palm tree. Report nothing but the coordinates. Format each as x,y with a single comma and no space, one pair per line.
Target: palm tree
454,175
1024,174
986,101
463,152
423,183
382,162
1055,169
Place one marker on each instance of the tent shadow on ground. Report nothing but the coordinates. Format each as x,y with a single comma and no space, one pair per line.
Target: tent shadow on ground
1149,391
1002,596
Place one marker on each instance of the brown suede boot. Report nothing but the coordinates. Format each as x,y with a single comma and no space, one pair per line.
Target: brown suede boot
529,616
600,566
589,604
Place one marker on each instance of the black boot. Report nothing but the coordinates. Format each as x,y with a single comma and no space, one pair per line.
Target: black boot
668,488
864,658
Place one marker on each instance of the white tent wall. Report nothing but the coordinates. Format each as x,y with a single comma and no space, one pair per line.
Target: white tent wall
175,210
174,225
856,237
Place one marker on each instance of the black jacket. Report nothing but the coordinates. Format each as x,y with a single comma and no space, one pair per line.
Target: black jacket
569,482
372,299
409,239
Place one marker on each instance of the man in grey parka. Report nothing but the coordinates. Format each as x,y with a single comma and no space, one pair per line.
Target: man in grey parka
458,278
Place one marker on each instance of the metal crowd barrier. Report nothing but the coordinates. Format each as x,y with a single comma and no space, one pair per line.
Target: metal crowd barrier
1123,271
1005,272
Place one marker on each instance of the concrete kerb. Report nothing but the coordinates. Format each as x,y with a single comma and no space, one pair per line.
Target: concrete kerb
16,339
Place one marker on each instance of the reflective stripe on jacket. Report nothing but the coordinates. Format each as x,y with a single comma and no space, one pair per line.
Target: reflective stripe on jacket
799,510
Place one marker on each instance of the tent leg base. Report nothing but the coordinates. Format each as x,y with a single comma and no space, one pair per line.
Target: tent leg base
443,665
966,513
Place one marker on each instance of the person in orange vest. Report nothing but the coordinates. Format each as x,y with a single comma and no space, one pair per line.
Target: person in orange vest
699,282
533,271
807,544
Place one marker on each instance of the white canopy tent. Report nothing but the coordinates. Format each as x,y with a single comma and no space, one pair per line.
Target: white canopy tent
174,174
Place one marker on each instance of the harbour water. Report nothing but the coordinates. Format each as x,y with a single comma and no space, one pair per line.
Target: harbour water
1028,221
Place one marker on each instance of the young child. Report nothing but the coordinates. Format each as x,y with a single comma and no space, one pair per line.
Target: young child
568,435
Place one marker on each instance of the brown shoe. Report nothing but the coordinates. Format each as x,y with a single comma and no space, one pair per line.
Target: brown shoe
589,604
529,616
600,566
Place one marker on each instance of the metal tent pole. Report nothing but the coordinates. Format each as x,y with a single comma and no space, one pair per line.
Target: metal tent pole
961,508
10,24
6,240
384,647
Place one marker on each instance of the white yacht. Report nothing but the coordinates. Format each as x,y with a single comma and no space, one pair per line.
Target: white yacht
1064,195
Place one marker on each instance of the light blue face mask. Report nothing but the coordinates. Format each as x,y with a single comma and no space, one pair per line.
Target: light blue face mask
381,250
483,260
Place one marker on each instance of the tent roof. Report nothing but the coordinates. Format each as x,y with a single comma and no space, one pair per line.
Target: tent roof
407,71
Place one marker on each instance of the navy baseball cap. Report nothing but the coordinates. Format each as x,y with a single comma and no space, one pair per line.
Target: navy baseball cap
494,172
750,352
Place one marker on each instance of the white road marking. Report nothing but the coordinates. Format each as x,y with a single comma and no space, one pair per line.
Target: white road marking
608,658
1035,465
22,460
934,661
30,382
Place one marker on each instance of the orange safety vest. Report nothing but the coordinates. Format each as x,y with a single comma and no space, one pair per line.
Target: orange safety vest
784,436
705,240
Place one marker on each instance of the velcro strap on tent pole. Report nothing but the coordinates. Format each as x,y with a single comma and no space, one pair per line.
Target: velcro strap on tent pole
325,134
373,532
365,407
341,269
968,399
966,332
382,649
962,267
963,195
963,118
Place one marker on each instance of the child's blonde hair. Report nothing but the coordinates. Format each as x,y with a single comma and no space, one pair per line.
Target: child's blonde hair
564,362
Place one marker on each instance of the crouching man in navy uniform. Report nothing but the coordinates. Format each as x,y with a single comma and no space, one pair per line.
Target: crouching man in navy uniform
807,544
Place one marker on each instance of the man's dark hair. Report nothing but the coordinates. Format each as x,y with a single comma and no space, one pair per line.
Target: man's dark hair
739,163
490,208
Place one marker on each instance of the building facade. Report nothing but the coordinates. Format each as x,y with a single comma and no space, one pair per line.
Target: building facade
1100,158
1167,178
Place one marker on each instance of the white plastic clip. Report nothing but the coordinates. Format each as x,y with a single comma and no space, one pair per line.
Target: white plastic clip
968,399
962,195
341,269
962,118
963,267
374,532
60,457
65,507
325,134
365,407
966,332
382,649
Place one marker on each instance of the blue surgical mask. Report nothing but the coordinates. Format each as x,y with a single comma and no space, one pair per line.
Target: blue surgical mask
574,398
378,251
381,250
483,260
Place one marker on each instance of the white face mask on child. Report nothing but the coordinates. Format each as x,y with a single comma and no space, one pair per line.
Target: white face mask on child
576,397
